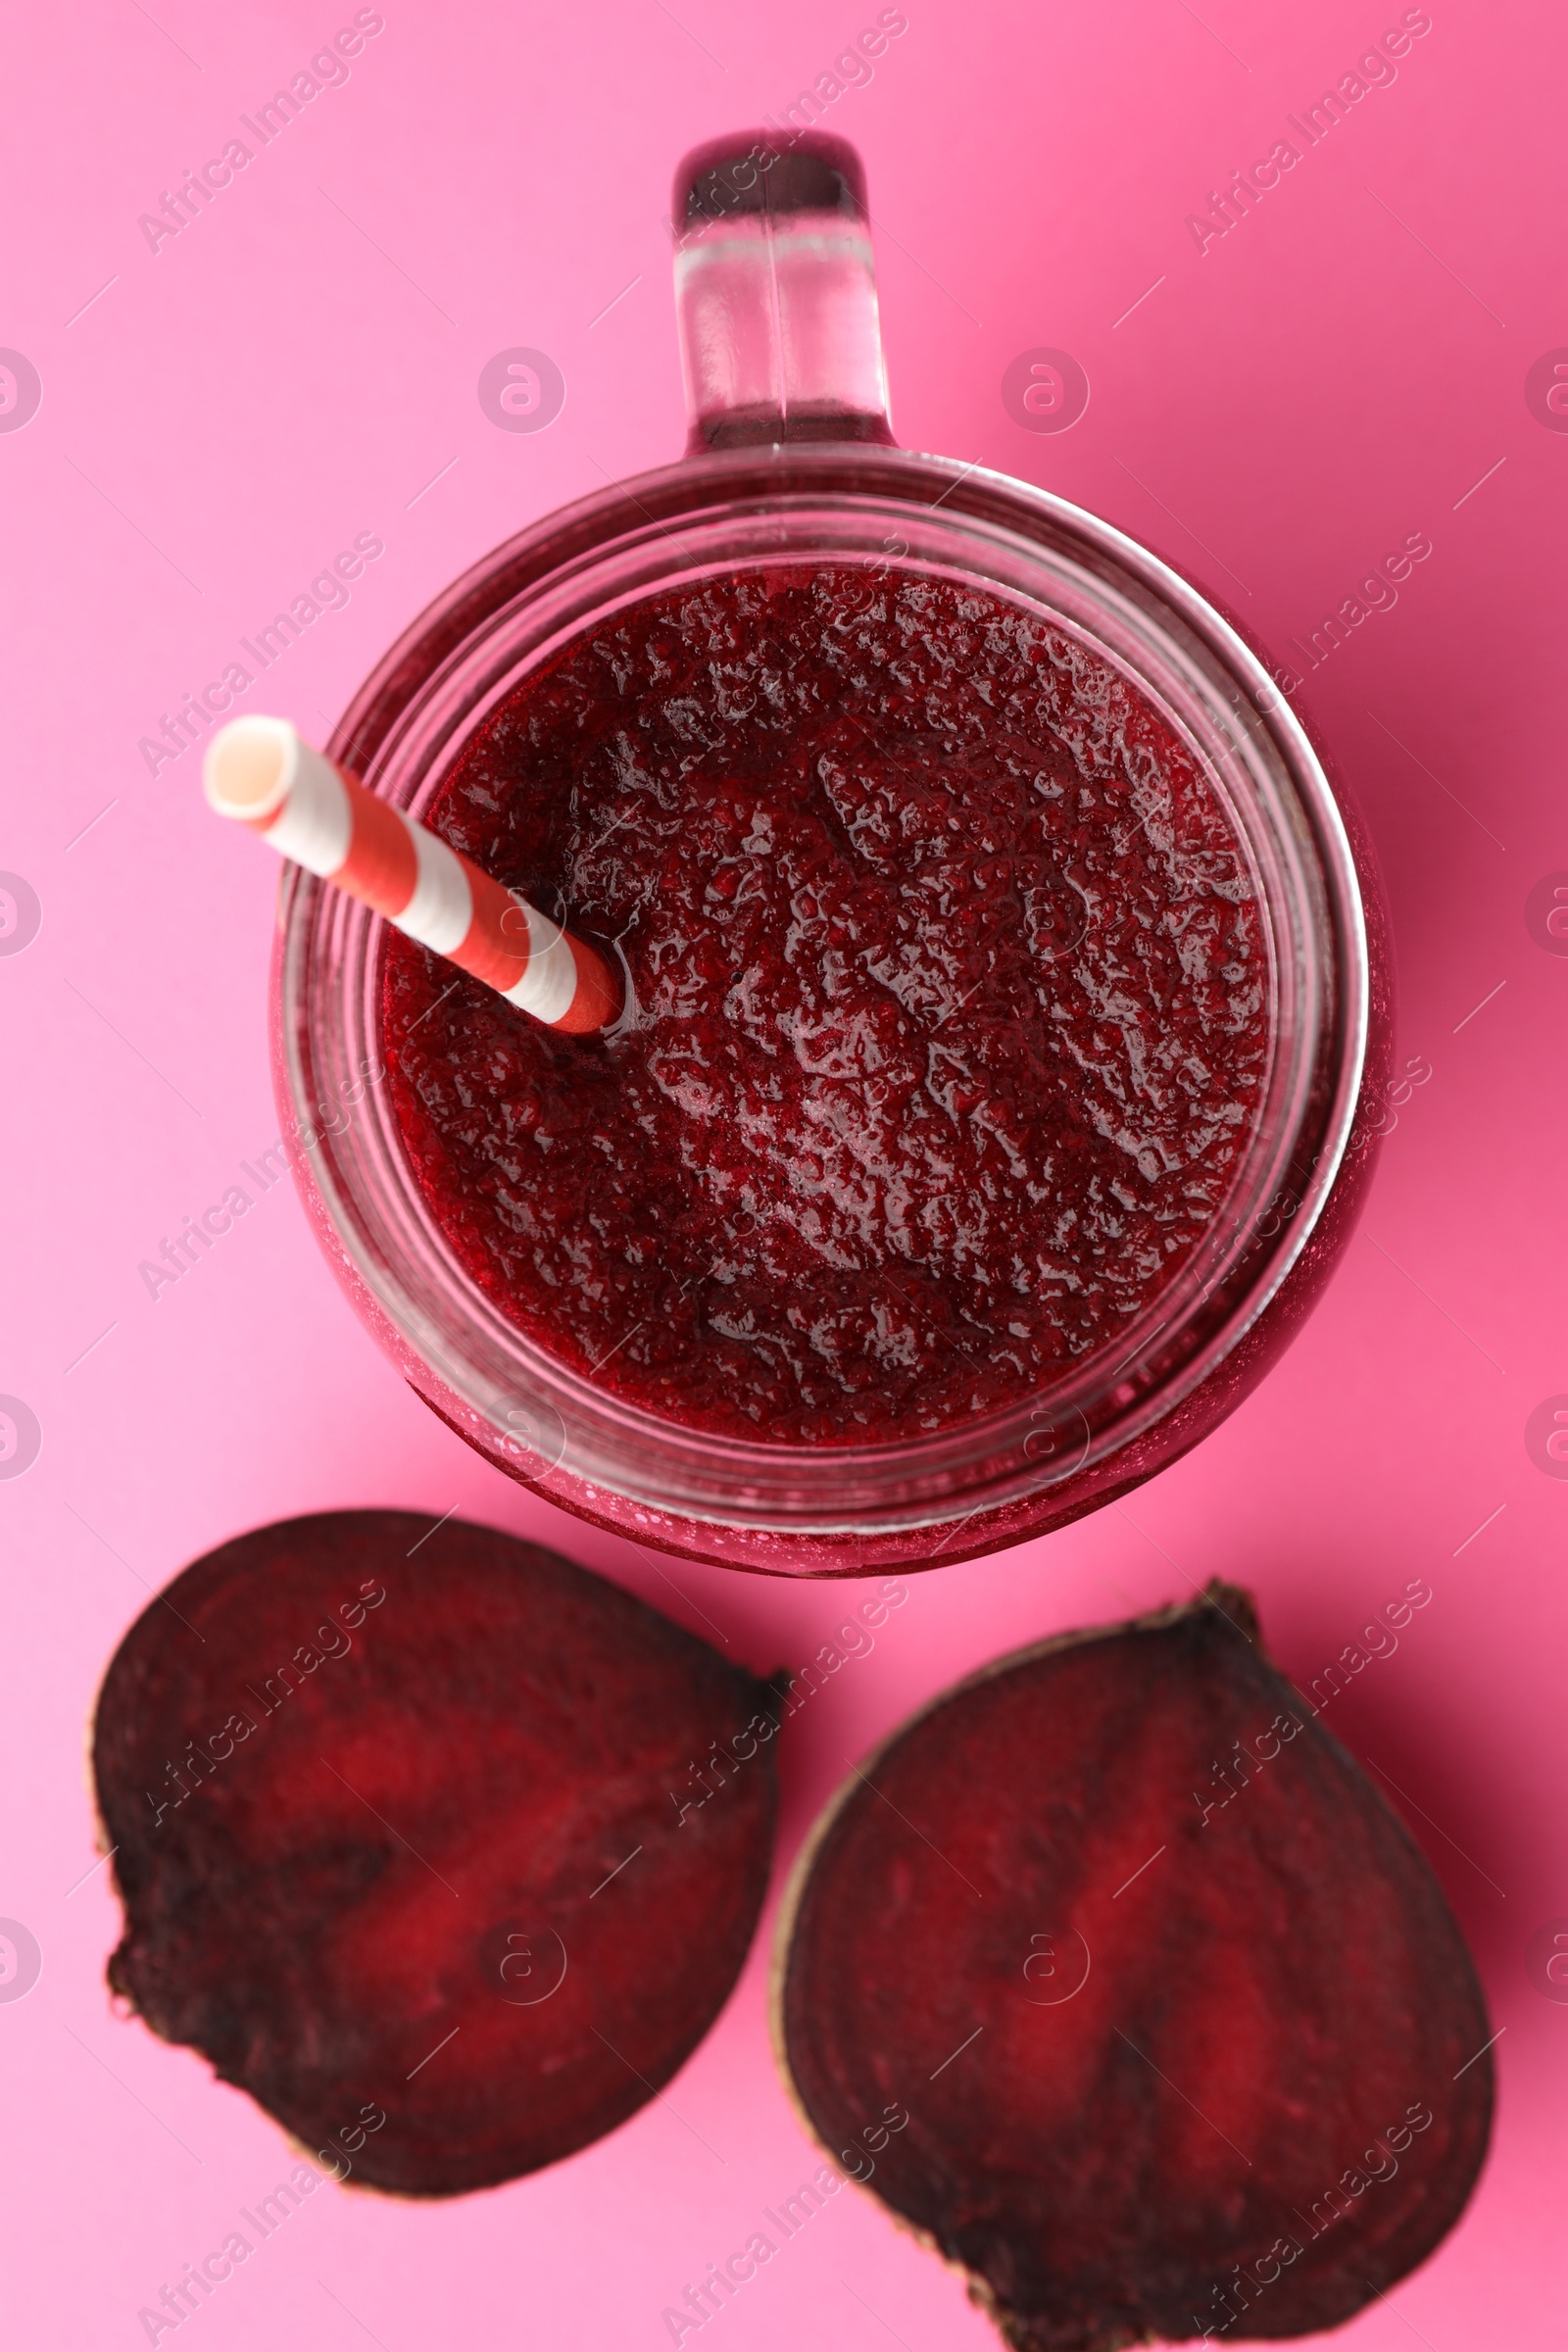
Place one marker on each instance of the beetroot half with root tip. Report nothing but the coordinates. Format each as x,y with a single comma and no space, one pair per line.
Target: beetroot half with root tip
411,1844
1116,1978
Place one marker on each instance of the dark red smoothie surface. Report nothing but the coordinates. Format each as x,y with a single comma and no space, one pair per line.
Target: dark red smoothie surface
953,1008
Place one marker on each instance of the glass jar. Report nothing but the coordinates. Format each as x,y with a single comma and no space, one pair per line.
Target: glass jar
791,456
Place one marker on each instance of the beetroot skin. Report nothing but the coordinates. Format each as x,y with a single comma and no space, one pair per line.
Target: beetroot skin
1116,1978
407,1828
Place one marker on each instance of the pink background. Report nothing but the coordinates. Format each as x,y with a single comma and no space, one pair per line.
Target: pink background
1338,371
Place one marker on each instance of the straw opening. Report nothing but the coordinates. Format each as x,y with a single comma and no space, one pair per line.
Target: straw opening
250,765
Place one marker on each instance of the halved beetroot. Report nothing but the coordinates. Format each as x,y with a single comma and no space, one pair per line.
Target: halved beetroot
406,1827
1114,1976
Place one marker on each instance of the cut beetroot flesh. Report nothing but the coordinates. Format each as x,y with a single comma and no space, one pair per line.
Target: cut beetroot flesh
1141,2070
407,1825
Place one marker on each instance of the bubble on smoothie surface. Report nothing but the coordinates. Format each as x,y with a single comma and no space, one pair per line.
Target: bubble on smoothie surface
953,993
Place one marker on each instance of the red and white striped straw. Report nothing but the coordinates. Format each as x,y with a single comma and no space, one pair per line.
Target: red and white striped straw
261,772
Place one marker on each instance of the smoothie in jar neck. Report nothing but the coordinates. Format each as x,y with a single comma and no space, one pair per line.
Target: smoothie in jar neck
950,1016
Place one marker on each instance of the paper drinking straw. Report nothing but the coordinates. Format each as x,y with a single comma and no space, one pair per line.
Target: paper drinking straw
261,772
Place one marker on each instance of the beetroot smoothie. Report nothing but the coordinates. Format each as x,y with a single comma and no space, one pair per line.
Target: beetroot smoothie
952,1008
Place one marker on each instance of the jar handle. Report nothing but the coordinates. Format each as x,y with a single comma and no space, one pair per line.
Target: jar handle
775,294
